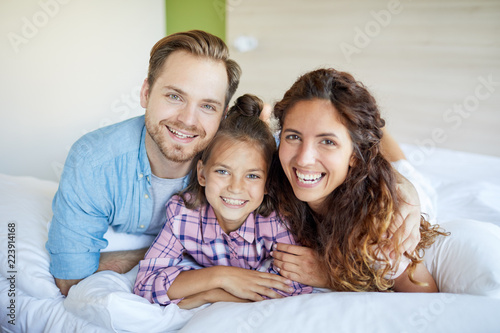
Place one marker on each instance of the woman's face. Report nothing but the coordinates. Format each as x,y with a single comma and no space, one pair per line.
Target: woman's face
315,150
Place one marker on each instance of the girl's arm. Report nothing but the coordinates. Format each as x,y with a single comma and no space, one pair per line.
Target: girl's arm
403,284
240,282
210,296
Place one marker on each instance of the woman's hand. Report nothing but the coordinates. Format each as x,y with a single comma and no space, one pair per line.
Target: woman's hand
252,285
406,225
300,264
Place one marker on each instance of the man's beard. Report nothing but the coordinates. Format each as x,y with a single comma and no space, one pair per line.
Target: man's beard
171,151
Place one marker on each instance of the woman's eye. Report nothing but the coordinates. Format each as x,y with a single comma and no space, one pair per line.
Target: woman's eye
329,142
292,137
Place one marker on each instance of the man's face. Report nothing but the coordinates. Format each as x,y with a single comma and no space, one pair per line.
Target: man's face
184,106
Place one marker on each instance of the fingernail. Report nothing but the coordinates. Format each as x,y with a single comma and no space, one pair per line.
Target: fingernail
274,246
278,269
271,253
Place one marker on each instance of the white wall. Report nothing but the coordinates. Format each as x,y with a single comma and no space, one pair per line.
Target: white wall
69,67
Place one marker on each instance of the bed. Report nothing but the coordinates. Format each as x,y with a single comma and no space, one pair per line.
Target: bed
462,192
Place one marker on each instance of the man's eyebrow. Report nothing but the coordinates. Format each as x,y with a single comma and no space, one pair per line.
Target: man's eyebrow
182,92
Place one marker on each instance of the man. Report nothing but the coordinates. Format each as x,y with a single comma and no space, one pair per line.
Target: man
122,175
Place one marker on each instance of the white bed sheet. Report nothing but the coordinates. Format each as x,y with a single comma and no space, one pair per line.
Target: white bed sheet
463,185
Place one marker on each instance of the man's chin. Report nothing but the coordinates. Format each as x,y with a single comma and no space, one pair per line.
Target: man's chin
178,155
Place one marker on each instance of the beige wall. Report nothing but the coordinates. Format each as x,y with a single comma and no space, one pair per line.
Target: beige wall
427,62
69,67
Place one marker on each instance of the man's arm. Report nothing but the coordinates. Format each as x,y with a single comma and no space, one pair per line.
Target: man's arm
117,261
79,221
390,147
65,285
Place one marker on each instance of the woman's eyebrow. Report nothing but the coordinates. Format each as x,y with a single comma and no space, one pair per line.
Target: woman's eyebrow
320,135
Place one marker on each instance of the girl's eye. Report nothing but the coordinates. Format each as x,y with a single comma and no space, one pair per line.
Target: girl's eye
253,176
222,172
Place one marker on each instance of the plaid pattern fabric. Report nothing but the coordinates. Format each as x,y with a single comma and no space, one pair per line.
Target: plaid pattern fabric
197,233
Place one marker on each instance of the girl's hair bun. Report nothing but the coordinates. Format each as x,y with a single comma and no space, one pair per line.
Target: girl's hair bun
247,105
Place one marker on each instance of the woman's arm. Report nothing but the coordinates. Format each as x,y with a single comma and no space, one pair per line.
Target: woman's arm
403,284
239,282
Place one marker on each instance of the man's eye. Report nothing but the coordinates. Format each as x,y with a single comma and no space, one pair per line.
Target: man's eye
209,107
174,97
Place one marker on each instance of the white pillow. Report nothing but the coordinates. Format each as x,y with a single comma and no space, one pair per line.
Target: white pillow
26,203
467,261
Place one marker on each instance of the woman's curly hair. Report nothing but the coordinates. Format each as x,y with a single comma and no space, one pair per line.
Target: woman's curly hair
350,234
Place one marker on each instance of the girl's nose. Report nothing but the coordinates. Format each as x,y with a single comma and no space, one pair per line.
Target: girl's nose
235,185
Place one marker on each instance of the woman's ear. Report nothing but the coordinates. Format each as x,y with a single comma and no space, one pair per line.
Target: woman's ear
352,160
201,174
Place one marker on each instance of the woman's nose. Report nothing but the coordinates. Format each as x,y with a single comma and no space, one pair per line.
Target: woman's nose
306,155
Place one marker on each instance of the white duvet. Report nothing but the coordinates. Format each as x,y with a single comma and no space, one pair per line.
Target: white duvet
460,190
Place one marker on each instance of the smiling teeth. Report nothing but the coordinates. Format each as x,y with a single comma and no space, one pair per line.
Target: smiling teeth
179,134
311,178
233,201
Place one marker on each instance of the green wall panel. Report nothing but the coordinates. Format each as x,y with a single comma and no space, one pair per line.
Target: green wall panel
208,15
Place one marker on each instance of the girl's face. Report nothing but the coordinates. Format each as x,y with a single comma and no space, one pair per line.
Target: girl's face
315,150
234,178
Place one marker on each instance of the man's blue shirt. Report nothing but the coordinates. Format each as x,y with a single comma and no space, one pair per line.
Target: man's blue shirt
106,181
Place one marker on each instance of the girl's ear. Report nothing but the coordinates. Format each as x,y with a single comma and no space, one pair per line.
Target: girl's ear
201,174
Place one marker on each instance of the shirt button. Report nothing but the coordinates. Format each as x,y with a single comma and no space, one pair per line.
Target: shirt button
146,196
142,226
141,175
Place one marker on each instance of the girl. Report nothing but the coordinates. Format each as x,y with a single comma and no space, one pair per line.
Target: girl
222,218
344,190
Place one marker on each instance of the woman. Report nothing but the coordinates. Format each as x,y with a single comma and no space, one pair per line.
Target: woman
304,264
345,196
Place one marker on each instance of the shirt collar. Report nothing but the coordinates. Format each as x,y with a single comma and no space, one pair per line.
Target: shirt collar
211,230
143,167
